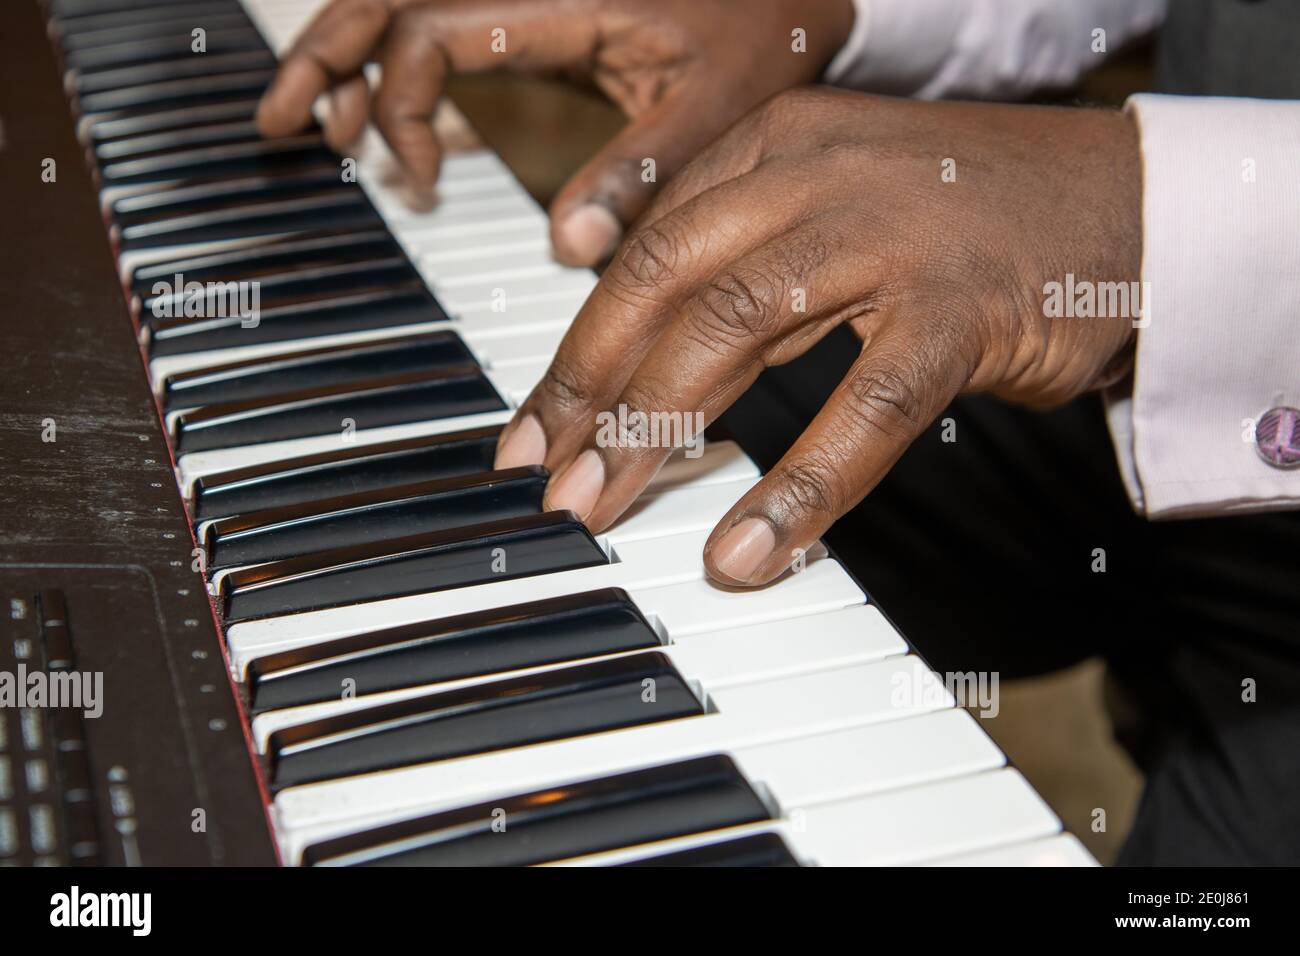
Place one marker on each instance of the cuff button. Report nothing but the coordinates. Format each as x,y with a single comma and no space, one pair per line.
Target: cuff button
1277,437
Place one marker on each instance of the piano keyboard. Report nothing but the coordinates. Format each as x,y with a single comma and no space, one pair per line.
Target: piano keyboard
435,670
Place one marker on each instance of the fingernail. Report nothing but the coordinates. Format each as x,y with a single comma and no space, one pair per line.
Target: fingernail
525,446
578,488
591,233
742,550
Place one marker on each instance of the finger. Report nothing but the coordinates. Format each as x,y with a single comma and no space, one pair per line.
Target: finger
333,48
591,213
413,71
348,113
896,387
627,309
752,313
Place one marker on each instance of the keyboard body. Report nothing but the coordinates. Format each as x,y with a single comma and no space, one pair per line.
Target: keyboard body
346,640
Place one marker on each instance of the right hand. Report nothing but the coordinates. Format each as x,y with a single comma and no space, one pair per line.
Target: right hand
682,70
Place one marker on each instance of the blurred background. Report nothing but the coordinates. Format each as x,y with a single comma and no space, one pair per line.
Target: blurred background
1054,728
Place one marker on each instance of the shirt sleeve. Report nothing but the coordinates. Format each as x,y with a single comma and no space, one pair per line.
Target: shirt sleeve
1218,348
994,49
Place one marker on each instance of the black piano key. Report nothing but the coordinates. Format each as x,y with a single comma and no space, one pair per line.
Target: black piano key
139,124
342,205
177,197
499,551
286,372
271,257
236,131
213,17
170,41
175,94
573,627
405,304
300,285
62,10
215,162
498,715
342,472
374,516
759,849
87,82
369,403
592,816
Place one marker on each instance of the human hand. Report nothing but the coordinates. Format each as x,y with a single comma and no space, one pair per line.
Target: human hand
683,70
820,208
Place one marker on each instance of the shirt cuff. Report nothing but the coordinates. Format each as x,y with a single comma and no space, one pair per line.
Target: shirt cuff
1219,341
895,47
983,48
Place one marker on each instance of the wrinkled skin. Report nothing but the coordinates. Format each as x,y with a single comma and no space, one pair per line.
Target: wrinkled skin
682,70
841,195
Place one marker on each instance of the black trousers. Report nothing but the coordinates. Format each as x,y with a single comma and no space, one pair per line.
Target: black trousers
982,552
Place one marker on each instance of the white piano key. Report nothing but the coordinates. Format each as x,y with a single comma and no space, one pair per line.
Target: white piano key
454,213
725,658
448,253
745,715
518,260
642,566
806,771
921,823
527,347
484,320
503,295
516,381
436,249
443,252
715,462
1061,850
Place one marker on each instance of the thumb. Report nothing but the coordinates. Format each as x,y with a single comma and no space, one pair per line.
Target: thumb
595,207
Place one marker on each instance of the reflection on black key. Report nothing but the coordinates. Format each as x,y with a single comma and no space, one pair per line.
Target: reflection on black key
342,472
169,43
337,365
372,516
217,17
107,130
188,65
302,284
370,403
552,705
272,256
192,196
235,131
569,628
593,816
760,849
339,205
146,9
259,156
407,304
175,94
478,554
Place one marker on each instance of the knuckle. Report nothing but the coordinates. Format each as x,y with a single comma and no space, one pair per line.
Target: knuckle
886,398
737,304
565,386
809,485
650,257
645,396
785,110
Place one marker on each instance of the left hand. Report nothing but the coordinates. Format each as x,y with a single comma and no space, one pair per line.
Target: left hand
837,202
